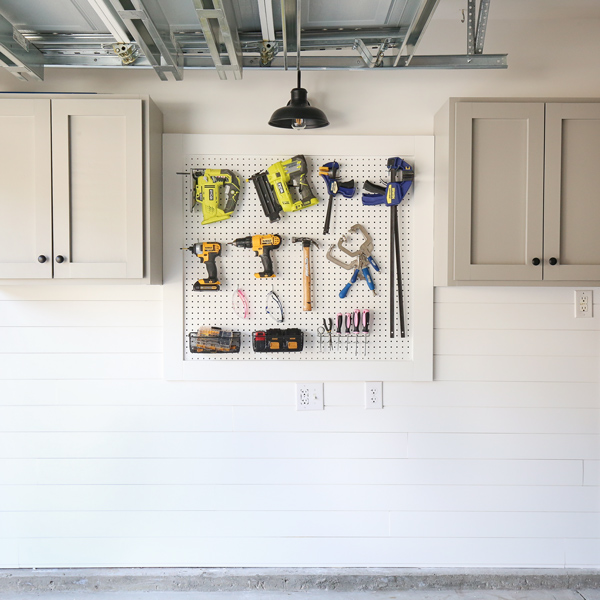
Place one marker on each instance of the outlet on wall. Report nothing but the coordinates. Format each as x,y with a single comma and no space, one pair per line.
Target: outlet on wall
584,304
373,394
309,396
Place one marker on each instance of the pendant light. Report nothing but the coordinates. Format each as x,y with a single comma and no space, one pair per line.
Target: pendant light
298,114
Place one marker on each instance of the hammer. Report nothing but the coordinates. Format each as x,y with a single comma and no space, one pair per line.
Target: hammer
306,242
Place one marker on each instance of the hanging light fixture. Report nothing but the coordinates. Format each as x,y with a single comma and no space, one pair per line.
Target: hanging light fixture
298,114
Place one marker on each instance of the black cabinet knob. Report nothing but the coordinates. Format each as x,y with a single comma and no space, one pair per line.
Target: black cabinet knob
553,261
42,258
535,262
60,259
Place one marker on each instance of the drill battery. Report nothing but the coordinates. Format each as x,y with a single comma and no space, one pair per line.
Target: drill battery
214,340
278,340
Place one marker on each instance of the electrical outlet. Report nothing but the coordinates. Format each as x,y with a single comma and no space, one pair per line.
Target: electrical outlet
584,304
309,396
373,394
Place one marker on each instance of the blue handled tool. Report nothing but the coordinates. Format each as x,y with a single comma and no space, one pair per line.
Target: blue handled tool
329,173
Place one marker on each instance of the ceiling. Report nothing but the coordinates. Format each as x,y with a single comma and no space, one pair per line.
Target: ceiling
232,35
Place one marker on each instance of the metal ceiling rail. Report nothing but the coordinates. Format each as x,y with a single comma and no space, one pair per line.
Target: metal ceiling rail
289,12
17,55
151,30
219,26
415,32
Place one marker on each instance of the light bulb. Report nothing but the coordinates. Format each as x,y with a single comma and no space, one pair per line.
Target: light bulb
299,124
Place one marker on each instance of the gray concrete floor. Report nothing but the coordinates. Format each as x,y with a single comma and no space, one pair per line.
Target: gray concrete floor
316,595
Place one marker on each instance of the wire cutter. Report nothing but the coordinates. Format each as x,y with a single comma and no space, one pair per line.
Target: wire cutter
328,326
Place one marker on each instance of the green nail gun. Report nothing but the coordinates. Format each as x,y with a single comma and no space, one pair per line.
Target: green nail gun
208,184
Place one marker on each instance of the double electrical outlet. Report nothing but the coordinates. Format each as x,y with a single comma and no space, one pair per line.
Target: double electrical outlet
309,396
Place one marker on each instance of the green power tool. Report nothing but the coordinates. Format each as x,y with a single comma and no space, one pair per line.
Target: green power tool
208,193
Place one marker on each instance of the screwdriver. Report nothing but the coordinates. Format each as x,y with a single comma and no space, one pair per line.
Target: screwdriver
366,316
339,323
356,329
348,326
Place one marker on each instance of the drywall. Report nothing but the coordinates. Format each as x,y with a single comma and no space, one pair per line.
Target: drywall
495,463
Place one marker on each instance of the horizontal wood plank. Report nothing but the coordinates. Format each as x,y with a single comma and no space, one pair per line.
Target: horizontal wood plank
298,472
70,291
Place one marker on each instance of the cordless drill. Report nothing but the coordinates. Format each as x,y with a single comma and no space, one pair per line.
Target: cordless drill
207,252
262,245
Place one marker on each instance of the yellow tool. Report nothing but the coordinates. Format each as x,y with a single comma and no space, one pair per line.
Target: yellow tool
208,191
262,245
207,252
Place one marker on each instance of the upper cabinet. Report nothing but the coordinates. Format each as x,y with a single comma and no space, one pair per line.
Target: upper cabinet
80,194
517,193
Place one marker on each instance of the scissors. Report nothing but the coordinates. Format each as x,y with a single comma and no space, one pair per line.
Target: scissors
328,325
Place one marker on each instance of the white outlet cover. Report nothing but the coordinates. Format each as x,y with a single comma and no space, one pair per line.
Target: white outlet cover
584,304
373,394
309,396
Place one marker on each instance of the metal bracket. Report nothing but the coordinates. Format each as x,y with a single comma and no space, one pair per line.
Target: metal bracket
476,32
126,52
151,30
370,60
219,27
416,30
268,51
23,64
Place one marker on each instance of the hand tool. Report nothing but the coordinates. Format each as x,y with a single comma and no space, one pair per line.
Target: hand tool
278,179
328,326
306,280
348,327
274,307
329,173
366,317
356,328
208,190
360,264
239,303
262,245
401,178
321,334
207,252
339,323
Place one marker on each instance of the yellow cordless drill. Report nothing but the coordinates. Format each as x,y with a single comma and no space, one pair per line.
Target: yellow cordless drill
208,191
277,179
207,252
262,245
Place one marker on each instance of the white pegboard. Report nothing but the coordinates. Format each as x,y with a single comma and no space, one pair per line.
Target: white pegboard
236,266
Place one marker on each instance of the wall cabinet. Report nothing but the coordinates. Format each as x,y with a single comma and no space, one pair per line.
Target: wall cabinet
77,198
517,200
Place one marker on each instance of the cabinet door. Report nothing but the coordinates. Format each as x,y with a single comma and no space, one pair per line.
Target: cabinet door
498,200
572,197
25,189
98,188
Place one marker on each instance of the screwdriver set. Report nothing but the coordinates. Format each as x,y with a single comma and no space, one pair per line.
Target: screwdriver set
313,284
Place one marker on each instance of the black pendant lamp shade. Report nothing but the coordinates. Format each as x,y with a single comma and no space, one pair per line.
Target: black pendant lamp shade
298,114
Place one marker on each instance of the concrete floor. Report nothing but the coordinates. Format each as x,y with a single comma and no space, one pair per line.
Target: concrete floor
315,595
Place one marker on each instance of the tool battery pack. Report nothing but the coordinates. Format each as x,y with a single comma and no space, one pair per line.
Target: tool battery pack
214,340
278,340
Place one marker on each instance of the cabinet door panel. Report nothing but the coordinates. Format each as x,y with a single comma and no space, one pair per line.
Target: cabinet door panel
25,189
498,191
572,197
98,188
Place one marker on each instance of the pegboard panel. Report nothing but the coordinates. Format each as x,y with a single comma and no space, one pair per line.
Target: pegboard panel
236,266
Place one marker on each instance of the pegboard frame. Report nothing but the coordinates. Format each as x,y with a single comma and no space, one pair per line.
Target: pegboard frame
177,147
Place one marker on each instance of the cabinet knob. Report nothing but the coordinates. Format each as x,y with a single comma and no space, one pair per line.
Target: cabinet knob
535,262
42,258
553,261
60,259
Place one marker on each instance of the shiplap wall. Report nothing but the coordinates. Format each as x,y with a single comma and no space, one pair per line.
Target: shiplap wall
104,463
494,463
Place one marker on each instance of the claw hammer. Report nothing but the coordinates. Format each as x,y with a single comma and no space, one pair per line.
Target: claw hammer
306,243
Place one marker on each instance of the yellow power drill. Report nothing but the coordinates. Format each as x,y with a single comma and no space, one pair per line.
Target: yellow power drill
262,245
278,178
208,191
207,252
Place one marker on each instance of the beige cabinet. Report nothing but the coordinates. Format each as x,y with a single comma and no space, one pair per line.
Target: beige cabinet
517,199
76,196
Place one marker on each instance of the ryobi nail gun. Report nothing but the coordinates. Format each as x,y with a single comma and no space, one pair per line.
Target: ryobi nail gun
208,190
273,187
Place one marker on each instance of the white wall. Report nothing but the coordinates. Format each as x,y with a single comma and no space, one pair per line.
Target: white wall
496,463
